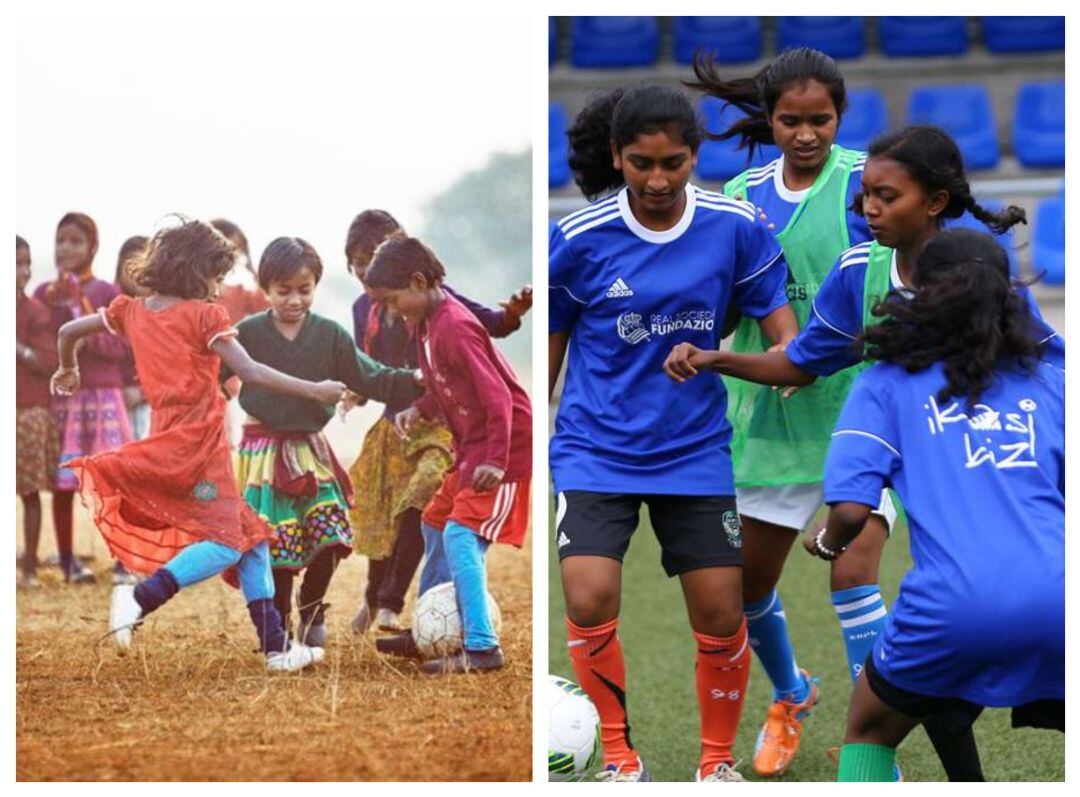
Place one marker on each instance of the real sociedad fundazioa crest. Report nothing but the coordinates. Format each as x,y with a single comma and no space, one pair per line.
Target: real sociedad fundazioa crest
631,329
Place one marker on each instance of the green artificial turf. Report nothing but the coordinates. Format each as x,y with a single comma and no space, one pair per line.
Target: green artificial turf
663,711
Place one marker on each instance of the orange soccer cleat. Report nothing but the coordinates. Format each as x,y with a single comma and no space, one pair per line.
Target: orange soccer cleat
779,739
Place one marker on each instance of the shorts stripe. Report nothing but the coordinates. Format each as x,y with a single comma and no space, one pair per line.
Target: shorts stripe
504,502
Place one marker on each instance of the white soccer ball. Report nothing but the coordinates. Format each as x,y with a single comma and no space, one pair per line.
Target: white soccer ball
436,624
573,730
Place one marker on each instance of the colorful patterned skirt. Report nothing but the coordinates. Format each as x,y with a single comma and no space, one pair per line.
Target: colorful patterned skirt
295,484
92,421
37,450
391,476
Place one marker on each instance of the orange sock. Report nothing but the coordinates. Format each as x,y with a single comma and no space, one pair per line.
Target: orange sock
598,664
723,670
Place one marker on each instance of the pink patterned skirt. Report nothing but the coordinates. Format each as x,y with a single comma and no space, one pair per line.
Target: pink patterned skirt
92,421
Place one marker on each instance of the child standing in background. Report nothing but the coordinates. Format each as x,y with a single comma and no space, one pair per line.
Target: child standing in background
37,448
485,496
287,469
396,478
93,419
169,505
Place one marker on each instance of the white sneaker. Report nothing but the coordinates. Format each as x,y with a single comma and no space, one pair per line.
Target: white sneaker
297,657
124,614
723,772
386,620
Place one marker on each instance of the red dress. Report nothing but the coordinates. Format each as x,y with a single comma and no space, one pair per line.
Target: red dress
154,497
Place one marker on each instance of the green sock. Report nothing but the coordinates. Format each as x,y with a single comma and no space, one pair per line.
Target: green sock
866,762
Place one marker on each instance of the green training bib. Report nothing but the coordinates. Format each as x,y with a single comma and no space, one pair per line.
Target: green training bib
784,441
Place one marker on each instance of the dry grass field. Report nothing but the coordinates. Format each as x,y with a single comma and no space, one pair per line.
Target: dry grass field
192,701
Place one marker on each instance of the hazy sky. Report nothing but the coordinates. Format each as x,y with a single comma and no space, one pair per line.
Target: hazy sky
286,126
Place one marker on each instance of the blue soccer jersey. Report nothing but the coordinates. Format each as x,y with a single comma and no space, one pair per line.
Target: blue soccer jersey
825,345
626,295
981,615
765,188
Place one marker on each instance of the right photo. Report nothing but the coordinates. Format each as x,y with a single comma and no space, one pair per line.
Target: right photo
806,377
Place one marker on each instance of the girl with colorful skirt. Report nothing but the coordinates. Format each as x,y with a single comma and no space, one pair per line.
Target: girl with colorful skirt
286,468
93,419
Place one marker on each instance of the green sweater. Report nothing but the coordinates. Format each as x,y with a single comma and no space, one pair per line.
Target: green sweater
322,350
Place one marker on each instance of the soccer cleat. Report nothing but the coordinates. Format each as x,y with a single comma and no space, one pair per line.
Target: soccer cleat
465,661
121,576
399,644
617,773
297,657
125,614
779,739
386,620
312,630
722,772
361,621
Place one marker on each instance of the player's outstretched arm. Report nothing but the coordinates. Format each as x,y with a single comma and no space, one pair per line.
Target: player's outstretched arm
66,379
255,373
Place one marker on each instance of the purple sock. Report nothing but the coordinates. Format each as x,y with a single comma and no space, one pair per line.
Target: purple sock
157,589
268,625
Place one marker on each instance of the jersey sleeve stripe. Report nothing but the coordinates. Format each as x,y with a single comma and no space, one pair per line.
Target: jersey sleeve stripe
584,217
595,205
861,433
593,223
821,318
563,287
763,269
746,214
765,178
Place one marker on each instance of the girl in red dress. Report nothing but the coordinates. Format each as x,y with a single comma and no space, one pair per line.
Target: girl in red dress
168,504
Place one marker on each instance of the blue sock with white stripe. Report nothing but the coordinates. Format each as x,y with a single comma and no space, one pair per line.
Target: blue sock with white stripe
767,626
862,614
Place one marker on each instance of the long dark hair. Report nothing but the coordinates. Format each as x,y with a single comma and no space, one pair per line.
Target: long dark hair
757,96
398,258
964,313
619,117
933,160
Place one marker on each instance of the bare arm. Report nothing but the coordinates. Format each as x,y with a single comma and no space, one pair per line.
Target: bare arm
255,373
72,332
557,342
780,325
846,520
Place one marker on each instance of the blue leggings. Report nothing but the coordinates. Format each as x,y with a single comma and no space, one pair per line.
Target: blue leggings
457,554
204,559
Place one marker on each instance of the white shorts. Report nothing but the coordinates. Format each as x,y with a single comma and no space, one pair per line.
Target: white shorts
793,505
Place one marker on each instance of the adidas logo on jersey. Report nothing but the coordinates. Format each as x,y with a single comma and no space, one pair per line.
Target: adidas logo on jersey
563,539
619,290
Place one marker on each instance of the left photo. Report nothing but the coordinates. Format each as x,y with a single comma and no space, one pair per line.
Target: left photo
273,399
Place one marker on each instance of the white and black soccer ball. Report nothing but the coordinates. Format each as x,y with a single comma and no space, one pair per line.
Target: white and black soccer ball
436,623
573,730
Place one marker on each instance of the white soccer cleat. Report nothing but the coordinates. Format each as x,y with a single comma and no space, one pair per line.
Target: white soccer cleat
722,773
386,620
617,774
296,658
124,614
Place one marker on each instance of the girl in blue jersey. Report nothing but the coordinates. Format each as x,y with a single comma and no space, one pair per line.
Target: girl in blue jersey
656,262
966,422
795,102
913,179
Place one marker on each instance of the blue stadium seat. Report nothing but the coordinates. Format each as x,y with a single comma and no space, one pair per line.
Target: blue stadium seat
1038,132
1023,34
840,37
917,36
613,41
966,114
1006,239
1048,239
558,147
722,160
731,39
866,118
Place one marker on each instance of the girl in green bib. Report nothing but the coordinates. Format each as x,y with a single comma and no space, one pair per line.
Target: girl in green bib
912,181
779,444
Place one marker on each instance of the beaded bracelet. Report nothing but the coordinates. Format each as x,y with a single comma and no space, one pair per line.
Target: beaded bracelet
822,551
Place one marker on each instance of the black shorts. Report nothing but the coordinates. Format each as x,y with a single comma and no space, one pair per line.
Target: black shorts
694,531
959,714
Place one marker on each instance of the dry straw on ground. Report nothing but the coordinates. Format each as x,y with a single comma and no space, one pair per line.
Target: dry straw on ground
192,701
